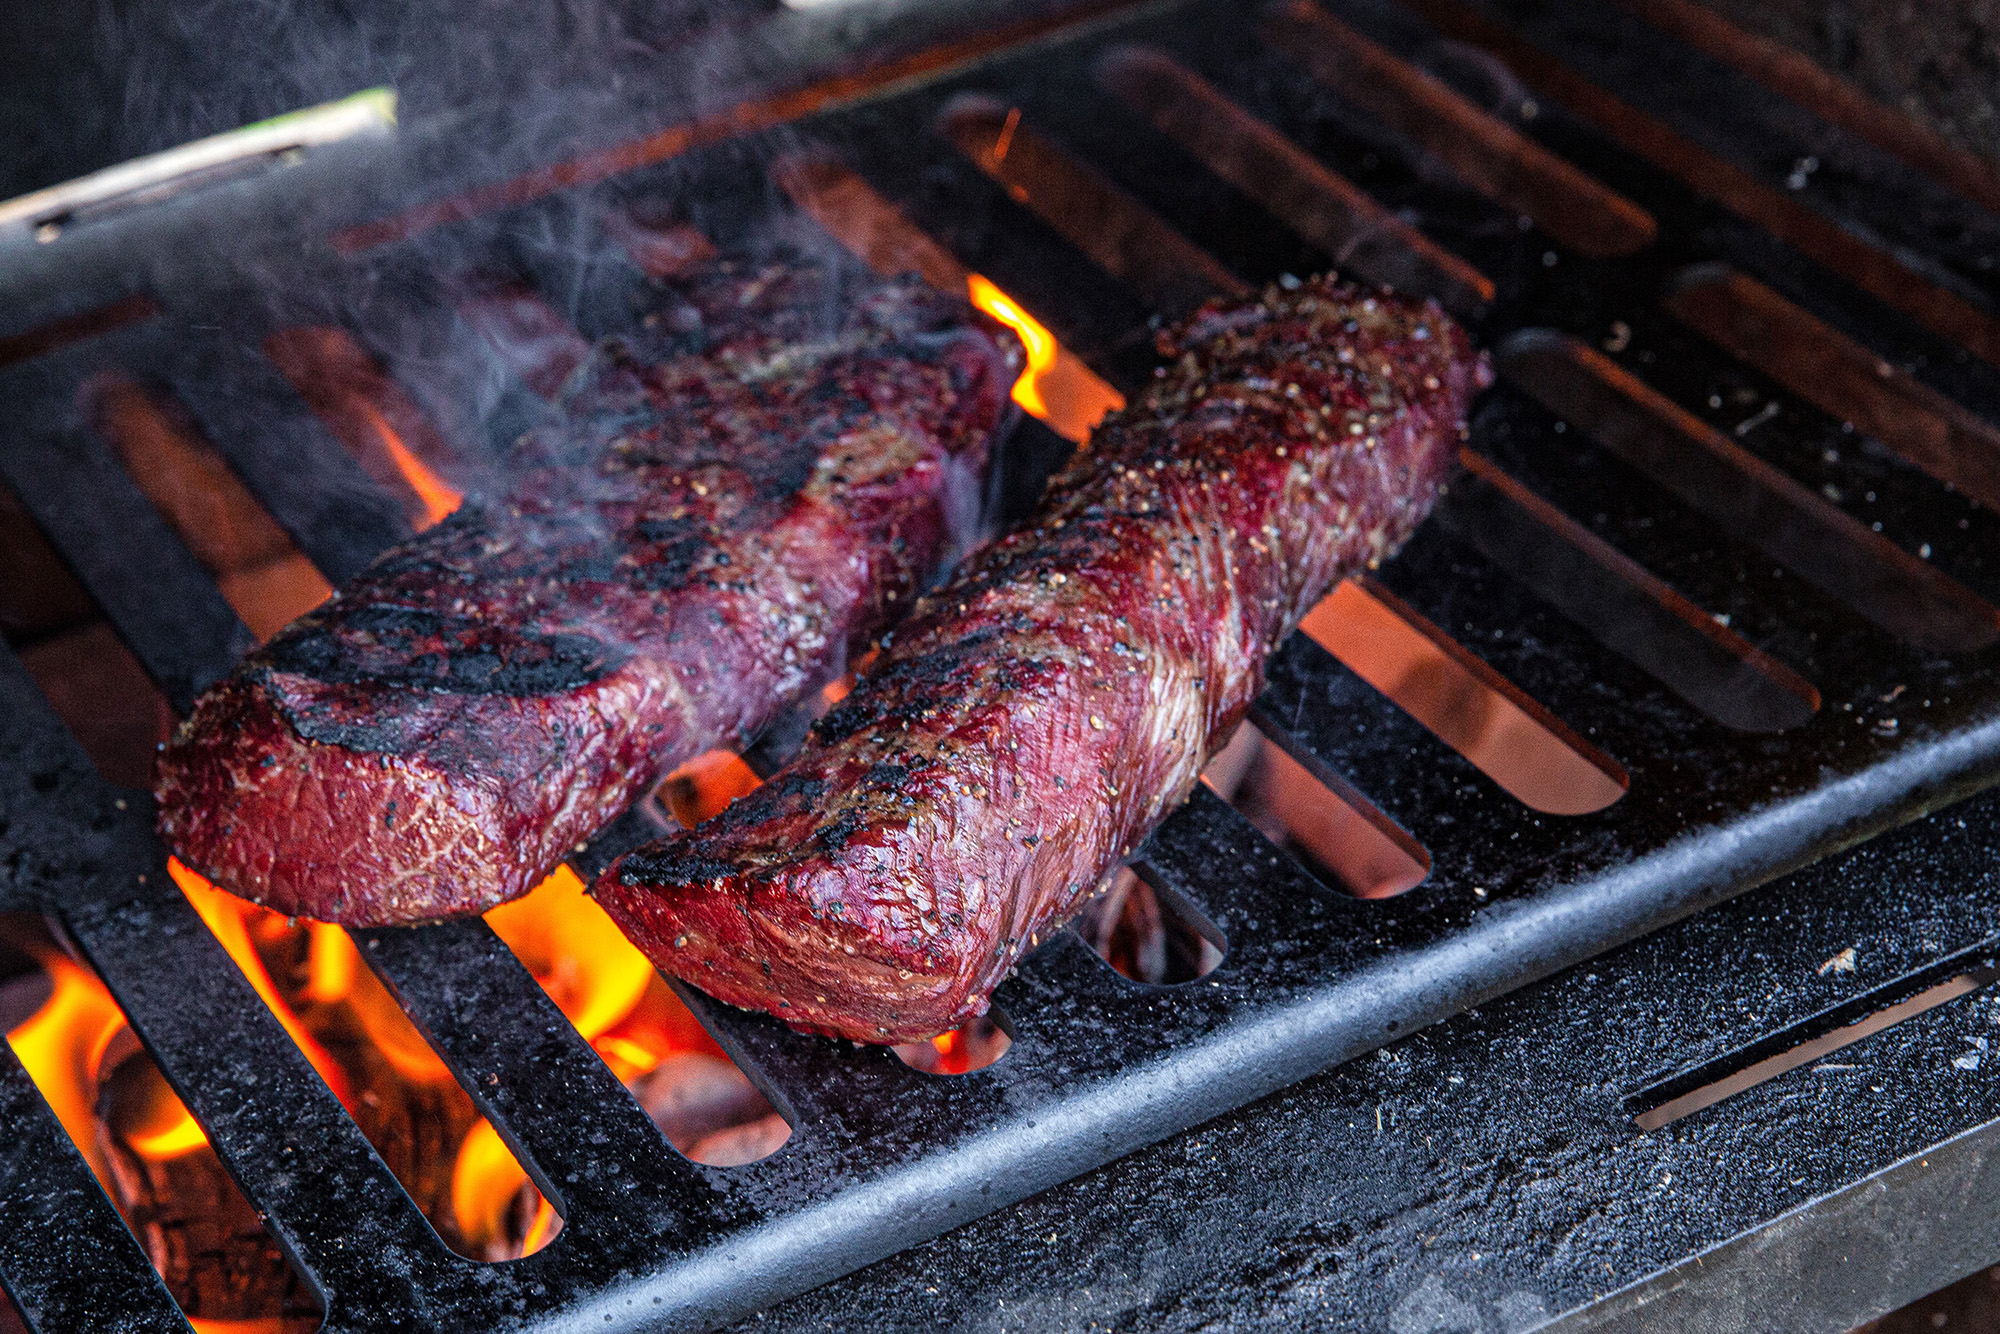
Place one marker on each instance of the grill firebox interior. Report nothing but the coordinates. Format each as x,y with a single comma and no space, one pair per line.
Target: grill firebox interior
1758,633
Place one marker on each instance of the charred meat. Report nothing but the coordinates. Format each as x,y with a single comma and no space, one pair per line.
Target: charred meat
1039,714
719,517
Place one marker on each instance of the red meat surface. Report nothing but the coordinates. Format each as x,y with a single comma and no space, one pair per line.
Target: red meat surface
720,517
1043,711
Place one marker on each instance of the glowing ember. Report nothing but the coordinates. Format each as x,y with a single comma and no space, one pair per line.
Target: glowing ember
974,1045
1006,139
700,789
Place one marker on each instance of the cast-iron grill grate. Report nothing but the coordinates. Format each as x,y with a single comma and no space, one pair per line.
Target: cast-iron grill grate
1665,553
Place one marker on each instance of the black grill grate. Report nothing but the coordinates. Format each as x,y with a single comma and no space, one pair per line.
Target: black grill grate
882,1156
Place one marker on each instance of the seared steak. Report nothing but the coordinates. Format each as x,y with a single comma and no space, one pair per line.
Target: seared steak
1038,715
720,517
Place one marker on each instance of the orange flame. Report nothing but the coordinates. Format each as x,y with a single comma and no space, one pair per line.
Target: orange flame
575,951
439,499
330,962
597,977
1054,386
485,1181
1005,140
62,1043
166,1130
63,1046
1038,341
225,918
486,1178
602,983
955,1054
700,789
334,973
542,1230
599,980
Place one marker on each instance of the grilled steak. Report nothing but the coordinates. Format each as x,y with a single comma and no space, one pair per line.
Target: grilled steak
719,517
1038,715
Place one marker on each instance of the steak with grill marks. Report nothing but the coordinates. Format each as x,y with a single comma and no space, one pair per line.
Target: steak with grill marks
721,515
1039,714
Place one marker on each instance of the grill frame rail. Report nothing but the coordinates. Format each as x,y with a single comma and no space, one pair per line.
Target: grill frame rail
882,1156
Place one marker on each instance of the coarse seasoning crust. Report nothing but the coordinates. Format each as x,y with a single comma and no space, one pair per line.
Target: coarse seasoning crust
1045,709
719,517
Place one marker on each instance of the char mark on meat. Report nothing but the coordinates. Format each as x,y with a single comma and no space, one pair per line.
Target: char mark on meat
731,502
1040,714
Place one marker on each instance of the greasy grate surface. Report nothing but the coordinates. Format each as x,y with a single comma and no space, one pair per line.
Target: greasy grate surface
1484,1174
1890,625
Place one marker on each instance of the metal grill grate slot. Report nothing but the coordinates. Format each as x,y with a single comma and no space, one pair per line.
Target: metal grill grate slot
1828,95
1326,209
1122,235
1624,605
1879,274
1759,327
1749,497
1488,153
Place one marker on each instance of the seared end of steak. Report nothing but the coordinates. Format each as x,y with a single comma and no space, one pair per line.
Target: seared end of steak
1043,711
325,830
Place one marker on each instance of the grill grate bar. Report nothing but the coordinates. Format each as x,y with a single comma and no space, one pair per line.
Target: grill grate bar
1874,271
1169,272
47,1191
299,1158
172,618
49,802
1750,498
1828,95
1760,328
278,1129
1322,206
1489,154
589,1146
1631,610
335,512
